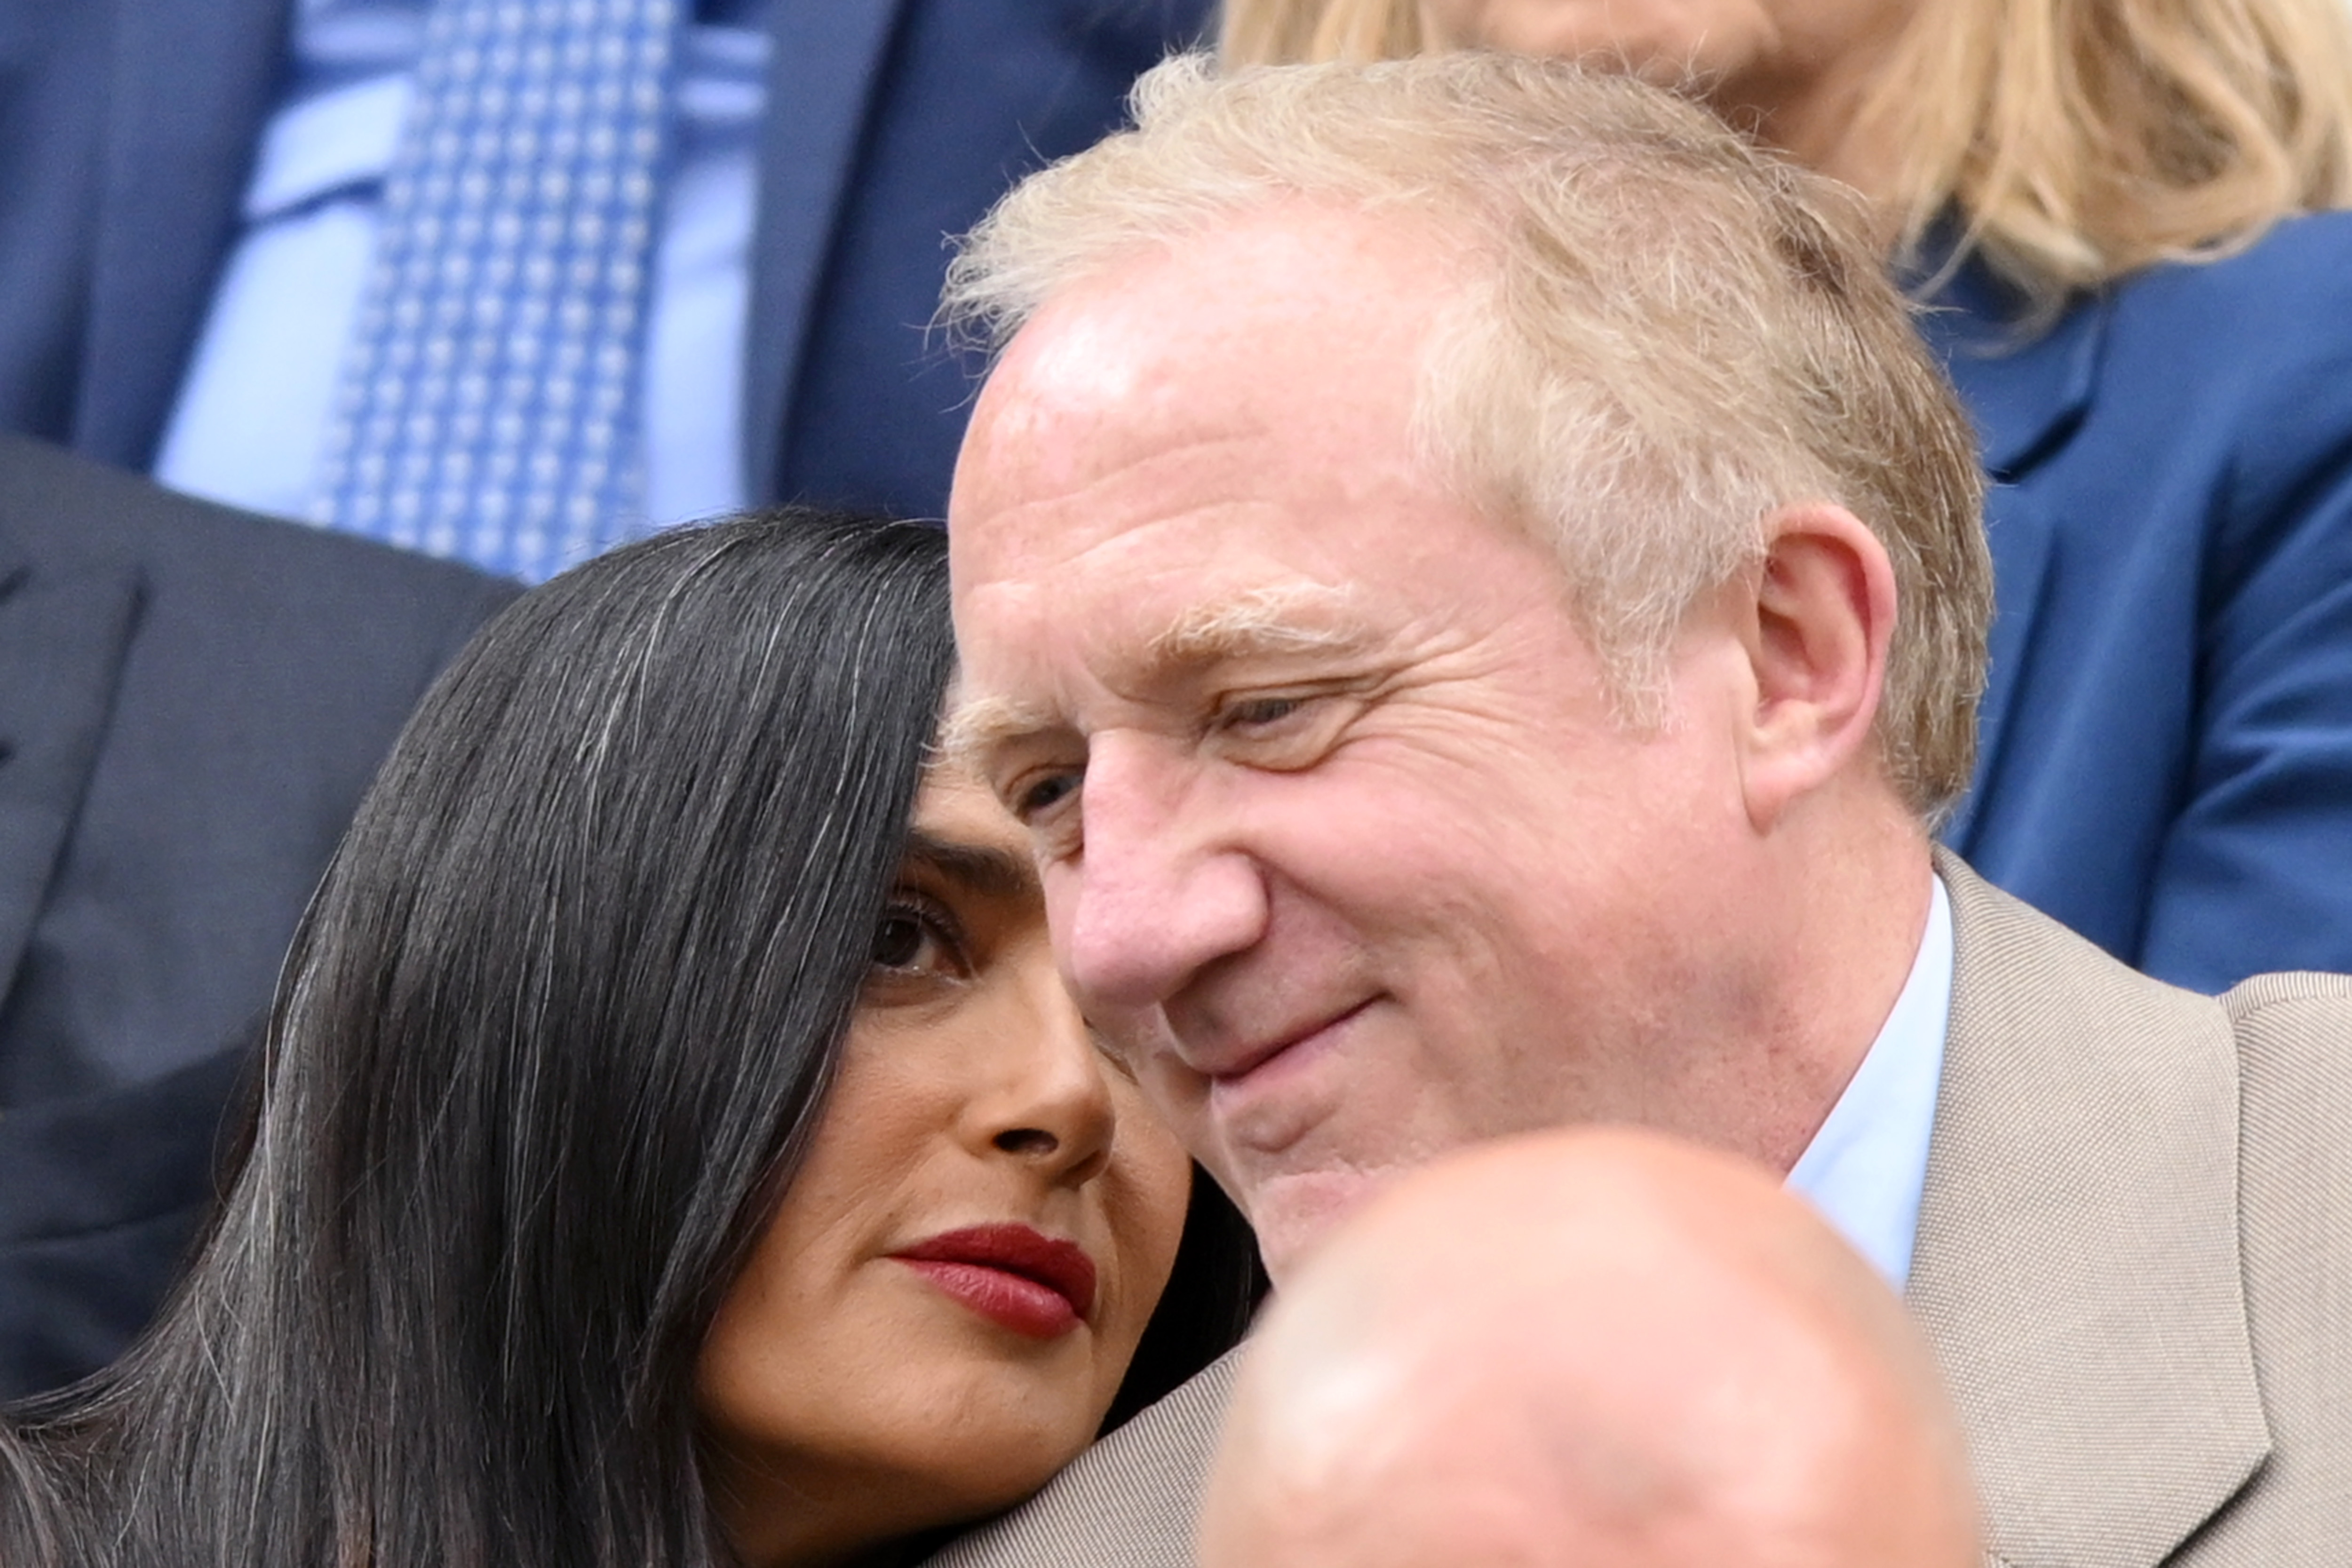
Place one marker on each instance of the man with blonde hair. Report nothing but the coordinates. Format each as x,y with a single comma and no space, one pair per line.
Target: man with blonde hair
1476,592
1590,1349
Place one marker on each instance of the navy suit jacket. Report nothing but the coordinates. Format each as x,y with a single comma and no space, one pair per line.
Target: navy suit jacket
2167,742
128,130
191,702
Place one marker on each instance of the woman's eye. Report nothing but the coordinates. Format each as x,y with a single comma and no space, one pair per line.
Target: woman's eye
911,940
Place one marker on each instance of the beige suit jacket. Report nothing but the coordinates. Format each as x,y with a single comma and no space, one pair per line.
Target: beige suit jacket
2134,1261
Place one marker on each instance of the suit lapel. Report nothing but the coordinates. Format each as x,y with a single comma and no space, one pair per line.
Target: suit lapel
2026,390
2077,1266
827,59
63,634
191,93
2027,397
2019,528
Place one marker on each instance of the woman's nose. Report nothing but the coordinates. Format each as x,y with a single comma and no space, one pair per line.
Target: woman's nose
1049,1103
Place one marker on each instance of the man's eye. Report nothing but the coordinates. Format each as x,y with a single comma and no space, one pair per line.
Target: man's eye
914,940
1281,731
1251,711
1032,801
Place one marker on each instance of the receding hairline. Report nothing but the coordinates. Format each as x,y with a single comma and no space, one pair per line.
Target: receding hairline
1561,181
1451,227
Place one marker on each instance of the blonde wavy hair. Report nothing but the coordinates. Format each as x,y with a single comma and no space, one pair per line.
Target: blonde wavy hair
1665,334
2078,141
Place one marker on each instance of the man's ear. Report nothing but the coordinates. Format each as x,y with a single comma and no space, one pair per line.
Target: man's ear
1816,632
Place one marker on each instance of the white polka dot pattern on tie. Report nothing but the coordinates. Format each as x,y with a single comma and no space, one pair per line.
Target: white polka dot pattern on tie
488,408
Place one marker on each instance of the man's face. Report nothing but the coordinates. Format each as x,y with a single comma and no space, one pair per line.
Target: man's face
1345,855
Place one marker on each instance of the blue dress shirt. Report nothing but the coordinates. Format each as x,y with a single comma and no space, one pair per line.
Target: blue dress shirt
1867,1166
250,426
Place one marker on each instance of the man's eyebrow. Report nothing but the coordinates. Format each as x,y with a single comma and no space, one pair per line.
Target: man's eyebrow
971,727
983,869
1298,617
1302,618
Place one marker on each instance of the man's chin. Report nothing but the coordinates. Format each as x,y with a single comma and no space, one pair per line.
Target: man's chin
1293,1214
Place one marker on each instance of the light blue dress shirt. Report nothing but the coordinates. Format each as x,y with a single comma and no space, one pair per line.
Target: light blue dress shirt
251,424
1867,1166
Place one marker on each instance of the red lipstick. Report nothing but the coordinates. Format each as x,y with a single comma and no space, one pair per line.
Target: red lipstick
1011,1275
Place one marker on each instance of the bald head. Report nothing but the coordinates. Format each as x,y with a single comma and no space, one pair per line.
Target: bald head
1596,1348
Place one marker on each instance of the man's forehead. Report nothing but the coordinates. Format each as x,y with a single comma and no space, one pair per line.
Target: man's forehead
1256,318
1166,464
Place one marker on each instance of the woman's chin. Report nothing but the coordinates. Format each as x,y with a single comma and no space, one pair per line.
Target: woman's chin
784,1511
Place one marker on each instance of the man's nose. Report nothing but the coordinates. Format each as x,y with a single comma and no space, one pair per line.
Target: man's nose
1157,891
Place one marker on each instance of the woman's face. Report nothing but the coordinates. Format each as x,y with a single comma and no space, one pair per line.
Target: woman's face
1792,69
937,1317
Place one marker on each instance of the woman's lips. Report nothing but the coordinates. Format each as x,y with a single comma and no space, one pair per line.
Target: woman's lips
1011,1275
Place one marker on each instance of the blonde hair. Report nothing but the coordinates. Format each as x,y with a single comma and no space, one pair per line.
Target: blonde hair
1670,334
1299,32
2078,141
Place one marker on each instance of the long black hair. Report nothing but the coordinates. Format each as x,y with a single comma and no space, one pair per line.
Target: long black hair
551,1040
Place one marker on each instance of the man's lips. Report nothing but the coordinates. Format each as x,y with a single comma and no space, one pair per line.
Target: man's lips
1234,1064
1260,1099
1010,1274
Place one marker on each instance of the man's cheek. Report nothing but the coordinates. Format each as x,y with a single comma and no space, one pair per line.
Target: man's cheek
1179,1098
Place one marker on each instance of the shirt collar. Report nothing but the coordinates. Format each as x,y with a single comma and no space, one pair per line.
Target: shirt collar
1866,1167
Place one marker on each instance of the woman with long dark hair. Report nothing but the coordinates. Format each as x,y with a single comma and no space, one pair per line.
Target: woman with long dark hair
666,1157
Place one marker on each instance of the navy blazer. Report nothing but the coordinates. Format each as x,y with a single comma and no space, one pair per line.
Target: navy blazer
191,702
2165,753
128,130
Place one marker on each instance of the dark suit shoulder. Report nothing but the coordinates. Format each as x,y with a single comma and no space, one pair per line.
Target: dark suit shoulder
284,652
206,756
192,701
60,508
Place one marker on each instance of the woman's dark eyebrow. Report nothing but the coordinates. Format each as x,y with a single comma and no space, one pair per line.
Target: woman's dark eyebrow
983,869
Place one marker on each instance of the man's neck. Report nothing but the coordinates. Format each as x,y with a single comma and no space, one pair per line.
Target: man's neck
1846,927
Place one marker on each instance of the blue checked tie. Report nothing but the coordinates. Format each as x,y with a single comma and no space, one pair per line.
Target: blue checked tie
488,408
